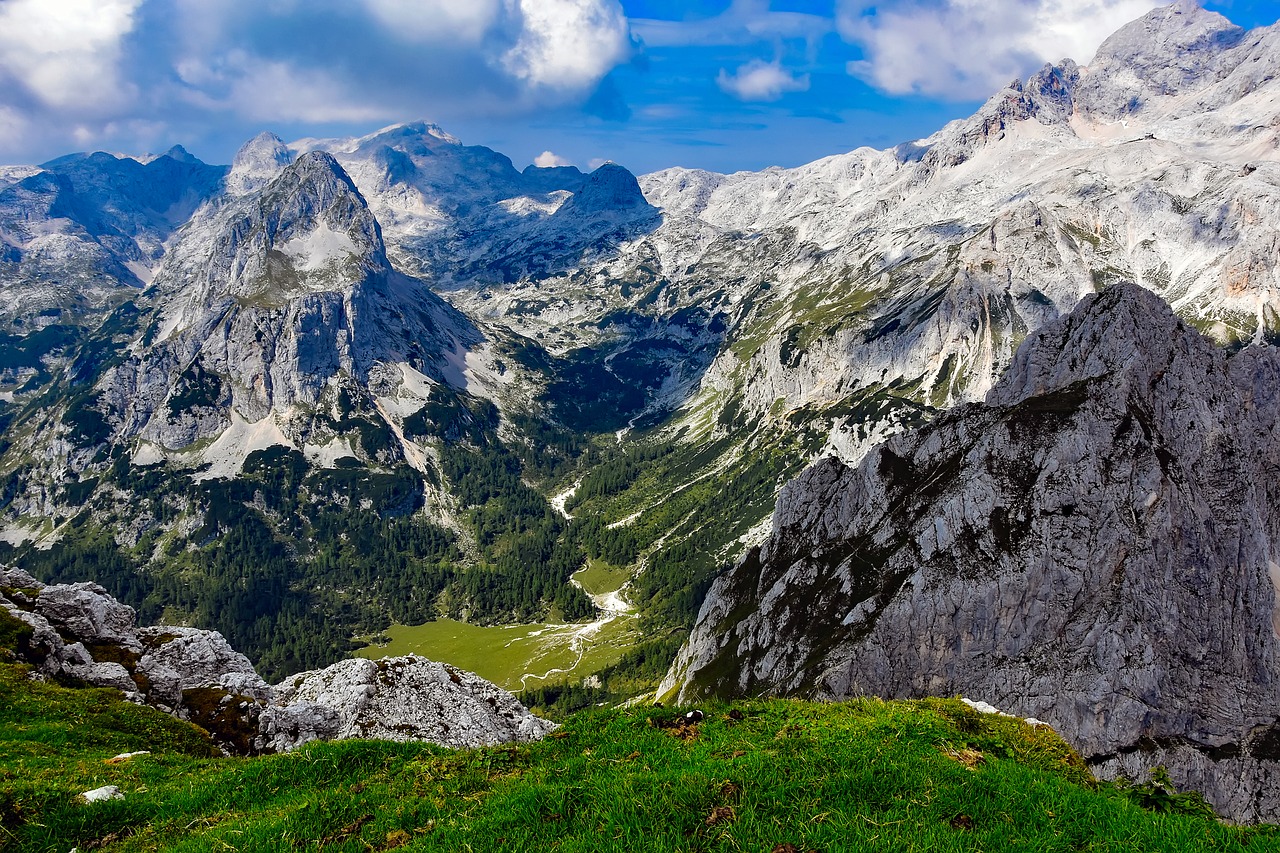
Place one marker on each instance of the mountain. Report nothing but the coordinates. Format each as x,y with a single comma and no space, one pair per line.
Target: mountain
82,232
391,378
1094,546
279,300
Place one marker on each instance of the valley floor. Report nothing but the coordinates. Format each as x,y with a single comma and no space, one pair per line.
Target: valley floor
523,657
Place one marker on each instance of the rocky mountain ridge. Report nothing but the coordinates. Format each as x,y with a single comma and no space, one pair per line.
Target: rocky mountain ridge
79,633
1095,545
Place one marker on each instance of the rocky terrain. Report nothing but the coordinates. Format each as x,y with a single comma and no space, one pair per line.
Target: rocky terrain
1095,545
76,633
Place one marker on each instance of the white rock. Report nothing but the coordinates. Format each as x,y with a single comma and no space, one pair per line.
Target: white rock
106,792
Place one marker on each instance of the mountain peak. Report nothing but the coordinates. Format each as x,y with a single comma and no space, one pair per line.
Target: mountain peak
610,187
1166,32
1171,50
180,154
1126,333
257,162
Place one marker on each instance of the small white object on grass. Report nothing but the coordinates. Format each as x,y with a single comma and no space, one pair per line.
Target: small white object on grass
106,792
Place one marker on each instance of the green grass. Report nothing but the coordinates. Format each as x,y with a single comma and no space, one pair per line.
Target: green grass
862,775
514,657
599,577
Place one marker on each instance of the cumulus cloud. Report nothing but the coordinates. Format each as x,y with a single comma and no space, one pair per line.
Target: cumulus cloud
88,72
761,81
66,54
564,43
466,21
547,159
967,49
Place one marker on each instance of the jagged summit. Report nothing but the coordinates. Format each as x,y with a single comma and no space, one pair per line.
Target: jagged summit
181,155
307,230
1182,37
258,161
1153,66
271,300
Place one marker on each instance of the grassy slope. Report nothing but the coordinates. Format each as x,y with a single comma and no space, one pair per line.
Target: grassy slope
872,775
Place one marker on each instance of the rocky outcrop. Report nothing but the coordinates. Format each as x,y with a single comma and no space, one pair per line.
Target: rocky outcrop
77,633
181,659
403,698
1095,546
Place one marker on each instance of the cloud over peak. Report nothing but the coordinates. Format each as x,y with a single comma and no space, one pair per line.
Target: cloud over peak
968,49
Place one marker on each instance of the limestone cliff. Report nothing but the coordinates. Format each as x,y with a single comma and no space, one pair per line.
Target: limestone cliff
1095,546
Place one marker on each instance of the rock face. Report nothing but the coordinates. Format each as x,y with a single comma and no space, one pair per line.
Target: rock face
78,632
81,233
1096,546
271,301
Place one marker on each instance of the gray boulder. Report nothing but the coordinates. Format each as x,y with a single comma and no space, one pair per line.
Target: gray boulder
403,698
180,659
87,612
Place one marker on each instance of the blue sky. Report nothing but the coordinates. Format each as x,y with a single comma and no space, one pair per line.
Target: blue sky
716,84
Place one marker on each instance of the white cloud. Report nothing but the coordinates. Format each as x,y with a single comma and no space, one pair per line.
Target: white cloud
596,163
761,81
968,49
86,72
744,22
276,91
568,44
548,159
465,21
13,126
66,53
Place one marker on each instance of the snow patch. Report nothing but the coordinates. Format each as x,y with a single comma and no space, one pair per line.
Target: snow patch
327,455
319,249
226,455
